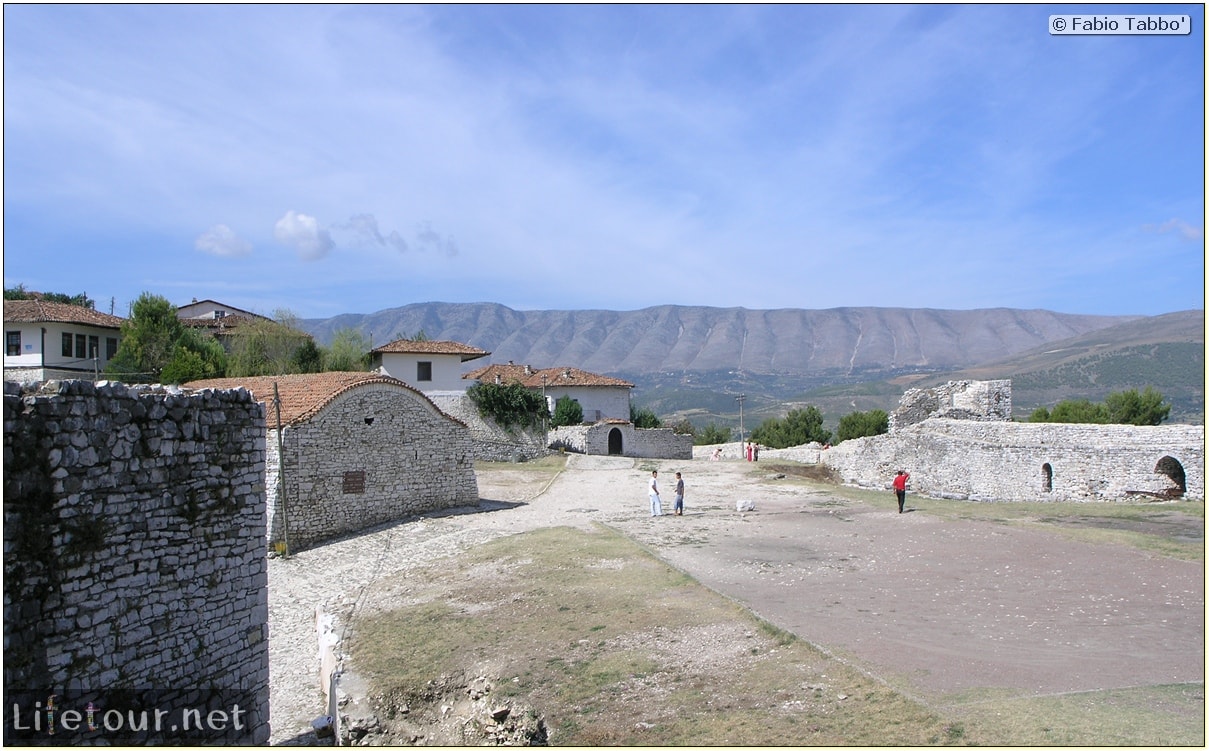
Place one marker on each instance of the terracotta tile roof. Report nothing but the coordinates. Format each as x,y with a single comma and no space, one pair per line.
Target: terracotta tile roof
406,346
220,324
41,311
302,395
532,377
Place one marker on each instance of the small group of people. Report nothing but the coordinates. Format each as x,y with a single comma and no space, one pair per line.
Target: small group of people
657,503
753,452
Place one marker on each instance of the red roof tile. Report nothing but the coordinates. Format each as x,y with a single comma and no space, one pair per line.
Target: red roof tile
532,378
302,395
41,311
406,346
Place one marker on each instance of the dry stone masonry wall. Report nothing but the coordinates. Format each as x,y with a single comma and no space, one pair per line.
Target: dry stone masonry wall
984,456
622,439
377,453
134,558
492,443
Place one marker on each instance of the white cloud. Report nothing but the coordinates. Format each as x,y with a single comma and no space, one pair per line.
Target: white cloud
220,240
365,231
1185,230
304,235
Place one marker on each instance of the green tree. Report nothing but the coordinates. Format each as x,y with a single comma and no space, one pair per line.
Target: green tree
800,426
195,356
349,351
509,404
307,358
685,427
154,338
1133,408
21,293
861,424
644,418
266,347
1072,411
712,434
567,411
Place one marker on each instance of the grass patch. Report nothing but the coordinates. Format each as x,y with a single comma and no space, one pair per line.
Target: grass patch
636,655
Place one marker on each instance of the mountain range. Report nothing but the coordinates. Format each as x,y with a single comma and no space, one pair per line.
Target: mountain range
691,361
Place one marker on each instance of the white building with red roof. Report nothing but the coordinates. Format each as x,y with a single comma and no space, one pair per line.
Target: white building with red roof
52,340
601,397
425,365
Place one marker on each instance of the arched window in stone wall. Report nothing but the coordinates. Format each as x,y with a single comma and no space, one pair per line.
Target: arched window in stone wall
614,442
1174,471
1047,477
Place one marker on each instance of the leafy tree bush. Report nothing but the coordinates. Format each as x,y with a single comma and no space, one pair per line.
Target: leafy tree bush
154,341
509,404
1133,408
567,411
799,426
644,418
1120,407
264,347
861,424
307,358
20,293
685,427
712,434
349,351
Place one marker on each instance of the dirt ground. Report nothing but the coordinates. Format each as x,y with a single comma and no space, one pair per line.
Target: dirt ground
945,611
936,607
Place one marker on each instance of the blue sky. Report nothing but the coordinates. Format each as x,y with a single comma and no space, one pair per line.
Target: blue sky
347,159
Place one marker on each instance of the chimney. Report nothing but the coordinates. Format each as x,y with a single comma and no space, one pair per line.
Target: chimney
528,370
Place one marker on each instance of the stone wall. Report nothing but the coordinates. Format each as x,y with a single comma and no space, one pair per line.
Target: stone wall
965,400
377,453
1005,461
622,439
134,557
492,443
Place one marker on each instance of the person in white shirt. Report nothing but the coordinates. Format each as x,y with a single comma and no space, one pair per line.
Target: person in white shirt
656,504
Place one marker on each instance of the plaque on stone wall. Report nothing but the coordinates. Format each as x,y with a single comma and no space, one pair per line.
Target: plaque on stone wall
354,482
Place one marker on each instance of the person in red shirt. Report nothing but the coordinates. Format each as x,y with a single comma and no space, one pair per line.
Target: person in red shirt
900,488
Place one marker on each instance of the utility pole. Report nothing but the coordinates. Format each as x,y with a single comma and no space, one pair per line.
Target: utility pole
740,399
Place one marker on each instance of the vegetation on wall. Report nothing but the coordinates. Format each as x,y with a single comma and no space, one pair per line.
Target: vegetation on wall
644,418
567,411
509,404
1120,407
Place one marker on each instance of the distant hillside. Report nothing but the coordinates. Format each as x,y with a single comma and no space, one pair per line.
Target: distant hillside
688,361
840,342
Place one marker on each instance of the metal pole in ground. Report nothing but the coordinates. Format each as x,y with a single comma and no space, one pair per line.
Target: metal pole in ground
281,502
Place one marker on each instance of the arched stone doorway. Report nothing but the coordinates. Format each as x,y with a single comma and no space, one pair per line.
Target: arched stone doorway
615,442
1174,471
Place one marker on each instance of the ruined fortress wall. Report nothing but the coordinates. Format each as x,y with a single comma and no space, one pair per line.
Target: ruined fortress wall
968,400
644,443
492,443
377,453
134,555
1005,461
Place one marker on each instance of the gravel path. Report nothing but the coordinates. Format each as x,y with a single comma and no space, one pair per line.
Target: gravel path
934,606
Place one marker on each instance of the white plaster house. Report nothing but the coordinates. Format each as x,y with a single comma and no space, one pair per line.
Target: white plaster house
212,310
425,365
355,450
600,397
50,340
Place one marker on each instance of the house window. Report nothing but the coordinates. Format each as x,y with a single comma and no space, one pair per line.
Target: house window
67,345
111,347
81,346
94,346
12,343
423,371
